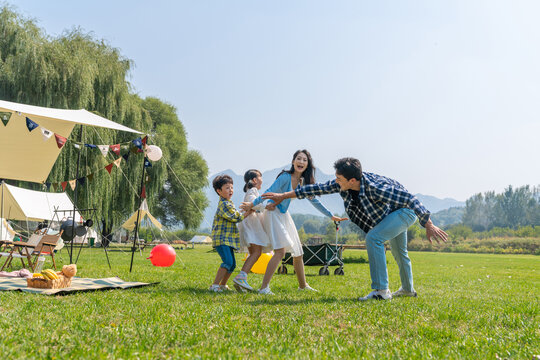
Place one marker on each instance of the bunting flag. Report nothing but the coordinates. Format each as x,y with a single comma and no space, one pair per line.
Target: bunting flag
76,146
55,186
64,184
115,149
30,124
81,180
72,184
147,163
48,185
126,156
60,140
143,192
109,167
90,177
5,116
91,146
104,149
117,162
144,140
137,142
46,134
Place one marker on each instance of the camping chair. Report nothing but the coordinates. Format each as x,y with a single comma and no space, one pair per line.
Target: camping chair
44,247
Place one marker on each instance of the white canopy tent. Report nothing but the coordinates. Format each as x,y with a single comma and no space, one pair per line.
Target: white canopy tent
6,231
29,156
31,205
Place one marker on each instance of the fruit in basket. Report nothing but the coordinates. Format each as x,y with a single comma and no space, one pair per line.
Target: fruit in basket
49,274
69,270
37,275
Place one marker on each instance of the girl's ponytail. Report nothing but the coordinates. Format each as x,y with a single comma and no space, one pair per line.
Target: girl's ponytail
248,178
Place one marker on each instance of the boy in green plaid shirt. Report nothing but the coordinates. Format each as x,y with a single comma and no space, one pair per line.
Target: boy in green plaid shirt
225,236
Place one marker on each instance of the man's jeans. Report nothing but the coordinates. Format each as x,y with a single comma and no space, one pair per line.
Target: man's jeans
394,228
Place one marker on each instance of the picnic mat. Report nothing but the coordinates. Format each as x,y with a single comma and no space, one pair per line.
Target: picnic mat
77,284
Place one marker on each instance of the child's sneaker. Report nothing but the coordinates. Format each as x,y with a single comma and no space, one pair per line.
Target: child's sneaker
215,288
242,284
377,295
308,288
403,292
225,288
266,291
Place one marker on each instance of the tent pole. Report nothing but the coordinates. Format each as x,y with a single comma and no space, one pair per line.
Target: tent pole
2,213
75,196
137,220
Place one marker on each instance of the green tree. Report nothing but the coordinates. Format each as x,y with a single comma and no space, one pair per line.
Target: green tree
76,70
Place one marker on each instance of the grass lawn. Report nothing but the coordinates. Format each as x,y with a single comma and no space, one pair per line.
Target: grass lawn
469,306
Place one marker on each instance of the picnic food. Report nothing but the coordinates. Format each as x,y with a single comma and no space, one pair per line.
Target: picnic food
49,274
69,270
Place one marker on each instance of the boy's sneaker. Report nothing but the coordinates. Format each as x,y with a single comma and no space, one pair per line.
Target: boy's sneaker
402,292
215,288
377,295
225,288
308,288
266,291
242,284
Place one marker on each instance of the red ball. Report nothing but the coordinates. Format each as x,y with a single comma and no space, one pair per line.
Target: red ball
162,255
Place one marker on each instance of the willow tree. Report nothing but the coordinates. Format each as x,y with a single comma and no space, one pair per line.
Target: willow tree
76,70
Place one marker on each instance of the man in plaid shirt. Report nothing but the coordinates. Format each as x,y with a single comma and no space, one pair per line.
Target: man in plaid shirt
225,237
384,210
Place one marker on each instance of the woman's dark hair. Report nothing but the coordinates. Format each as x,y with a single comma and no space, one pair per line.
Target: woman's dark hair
309,173
248,178
349,168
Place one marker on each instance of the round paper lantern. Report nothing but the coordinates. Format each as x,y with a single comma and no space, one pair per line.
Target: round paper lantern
153,152
162,255
262,262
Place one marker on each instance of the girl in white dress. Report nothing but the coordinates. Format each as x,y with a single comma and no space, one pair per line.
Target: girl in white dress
253,238
278,223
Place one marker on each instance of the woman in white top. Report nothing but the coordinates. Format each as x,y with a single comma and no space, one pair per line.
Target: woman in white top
279,224
252,235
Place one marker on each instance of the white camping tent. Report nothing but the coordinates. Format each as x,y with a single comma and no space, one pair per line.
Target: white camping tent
30,156
6,231
30,205
143,211
201,239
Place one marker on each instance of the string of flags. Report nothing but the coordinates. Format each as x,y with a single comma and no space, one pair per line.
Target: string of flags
61,140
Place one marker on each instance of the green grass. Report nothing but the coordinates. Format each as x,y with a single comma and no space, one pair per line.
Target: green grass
469,306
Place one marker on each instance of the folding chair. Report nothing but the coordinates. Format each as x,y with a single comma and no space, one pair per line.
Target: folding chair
44,247
22,250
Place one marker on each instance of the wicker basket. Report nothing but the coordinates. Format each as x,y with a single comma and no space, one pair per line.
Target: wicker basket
40,283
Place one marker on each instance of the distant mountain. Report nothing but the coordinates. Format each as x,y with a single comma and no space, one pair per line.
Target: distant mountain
333,202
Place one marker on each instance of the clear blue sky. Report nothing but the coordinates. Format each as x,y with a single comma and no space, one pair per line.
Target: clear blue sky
442,96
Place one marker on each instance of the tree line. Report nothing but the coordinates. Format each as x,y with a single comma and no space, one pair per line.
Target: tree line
76,70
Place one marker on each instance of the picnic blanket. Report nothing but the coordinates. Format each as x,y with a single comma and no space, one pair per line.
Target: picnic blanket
77,284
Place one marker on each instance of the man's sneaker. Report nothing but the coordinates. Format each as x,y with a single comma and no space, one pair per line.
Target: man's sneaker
215,288
242,284
402,292
377,295
266,291
307,288
225,288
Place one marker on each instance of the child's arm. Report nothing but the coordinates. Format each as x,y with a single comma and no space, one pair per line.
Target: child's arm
229,213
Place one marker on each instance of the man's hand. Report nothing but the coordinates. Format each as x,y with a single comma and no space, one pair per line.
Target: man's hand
275,197
338,219
433,232
246,206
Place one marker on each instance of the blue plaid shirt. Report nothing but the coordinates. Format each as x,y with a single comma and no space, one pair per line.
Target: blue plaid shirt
224,230
378,197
